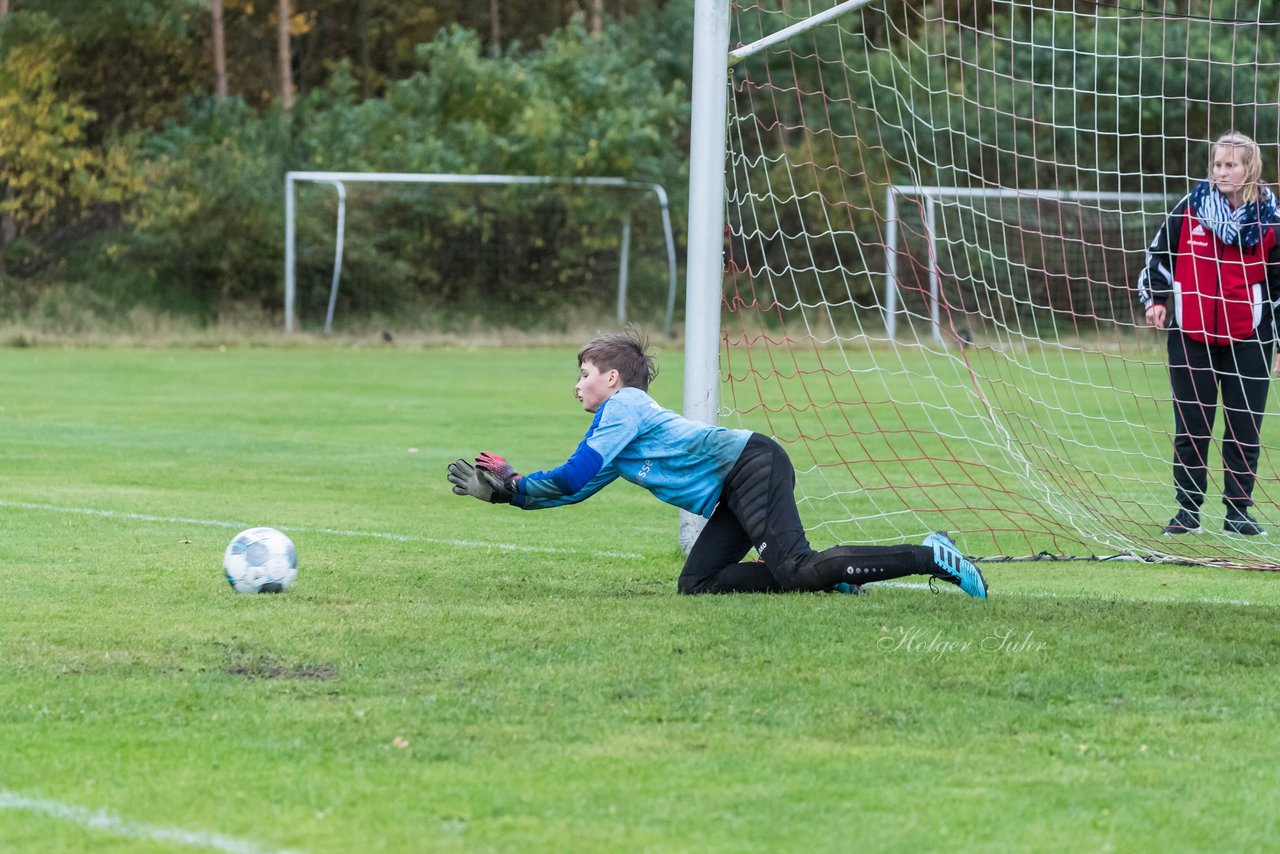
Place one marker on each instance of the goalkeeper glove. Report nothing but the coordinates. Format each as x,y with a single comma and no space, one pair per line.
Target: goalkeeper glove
467,480
502,472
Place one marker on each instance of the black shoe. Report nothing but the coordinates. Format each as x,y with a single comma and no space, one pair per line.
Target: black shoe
1185,522
1239,521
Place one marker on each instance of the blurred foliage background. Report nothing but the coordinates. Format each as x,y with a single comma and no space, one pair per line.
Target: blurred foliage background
143,143
130,183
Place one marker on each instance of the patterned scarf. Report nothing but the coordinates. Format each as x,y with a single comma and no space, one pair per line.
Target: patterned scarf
1240,226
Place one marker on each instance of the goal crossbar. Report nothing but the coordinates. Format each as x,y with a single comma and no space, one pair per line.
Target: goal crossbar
338,180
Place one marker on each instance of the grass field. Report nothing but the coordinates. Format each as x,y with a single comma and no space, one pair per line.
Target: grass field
448,676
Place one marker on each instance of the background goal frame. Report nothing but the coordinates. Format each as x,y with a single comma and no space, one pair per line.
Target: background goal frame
932,196
339,180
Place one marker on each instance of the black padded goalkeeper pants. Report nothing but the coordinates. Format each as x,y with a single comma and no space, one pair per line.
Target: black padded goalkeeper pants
757,509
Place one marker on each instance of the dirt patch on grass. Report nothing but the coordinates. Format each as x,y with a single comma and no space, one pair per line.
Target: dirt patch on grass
269,667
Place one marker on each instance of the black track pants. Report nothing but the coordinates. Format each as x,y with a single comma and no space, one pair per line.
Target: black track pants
1196,372
757,509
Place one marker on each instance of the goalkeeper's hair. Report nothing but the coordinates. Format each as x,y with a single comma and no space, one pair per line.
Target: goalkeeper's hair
624,352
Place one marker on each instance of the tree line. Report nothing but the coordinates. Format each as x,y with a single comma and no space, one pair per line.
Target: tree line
143,143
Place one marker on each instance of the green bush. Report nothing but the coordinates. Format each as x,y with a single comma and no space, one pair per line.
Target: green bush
578,106
206,236
208,233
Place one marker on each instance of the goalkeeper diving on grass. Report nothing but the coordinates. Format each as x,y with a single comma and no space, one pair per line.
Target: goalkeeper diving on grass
742,482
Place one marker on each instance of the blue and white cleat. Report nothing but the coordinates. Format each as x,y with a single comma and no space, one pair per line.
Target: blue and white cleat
846,588
951,565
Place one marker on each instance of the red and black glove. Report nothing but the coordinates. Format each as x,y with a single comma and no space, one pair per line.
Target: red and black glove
498,471
467,480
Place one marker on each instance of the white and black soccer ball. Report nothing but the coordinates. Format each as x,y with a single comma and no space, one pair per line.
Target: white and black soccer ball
260,560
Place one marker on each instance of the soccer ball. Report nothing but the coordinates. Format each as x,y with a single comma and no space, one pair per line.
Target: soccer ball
260,560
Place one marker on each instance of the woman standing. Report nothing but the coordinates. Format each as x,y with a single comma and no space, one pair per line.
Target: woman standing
1217,258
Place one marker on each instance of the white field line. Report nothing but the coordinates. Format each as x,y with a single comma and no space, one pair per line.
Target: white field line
101,820
337,532
1049,594
512,547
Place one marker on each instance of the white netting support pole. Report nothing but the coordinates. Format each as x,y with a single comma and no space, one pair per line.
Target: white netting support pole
796,29
665,208
891,263
935,277
623,261
337,254
703,286
290,238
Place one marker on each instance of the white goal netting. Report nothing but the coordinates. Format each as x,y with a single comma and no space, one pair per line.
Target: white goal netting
937,214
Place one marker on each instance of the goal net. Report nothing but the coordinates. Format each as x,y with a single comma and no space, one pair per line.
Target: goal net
936,217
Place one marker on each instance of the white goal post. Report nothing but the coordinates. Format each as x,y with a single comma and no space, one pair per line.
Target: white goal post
339,180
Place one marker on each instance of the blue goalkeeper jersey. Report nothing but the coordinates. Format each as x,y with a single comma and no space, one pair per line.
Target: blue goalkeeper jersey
680,461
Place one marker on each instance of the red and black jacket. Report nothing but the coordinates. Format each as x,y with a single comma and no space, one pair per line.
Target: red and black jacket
1220,293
